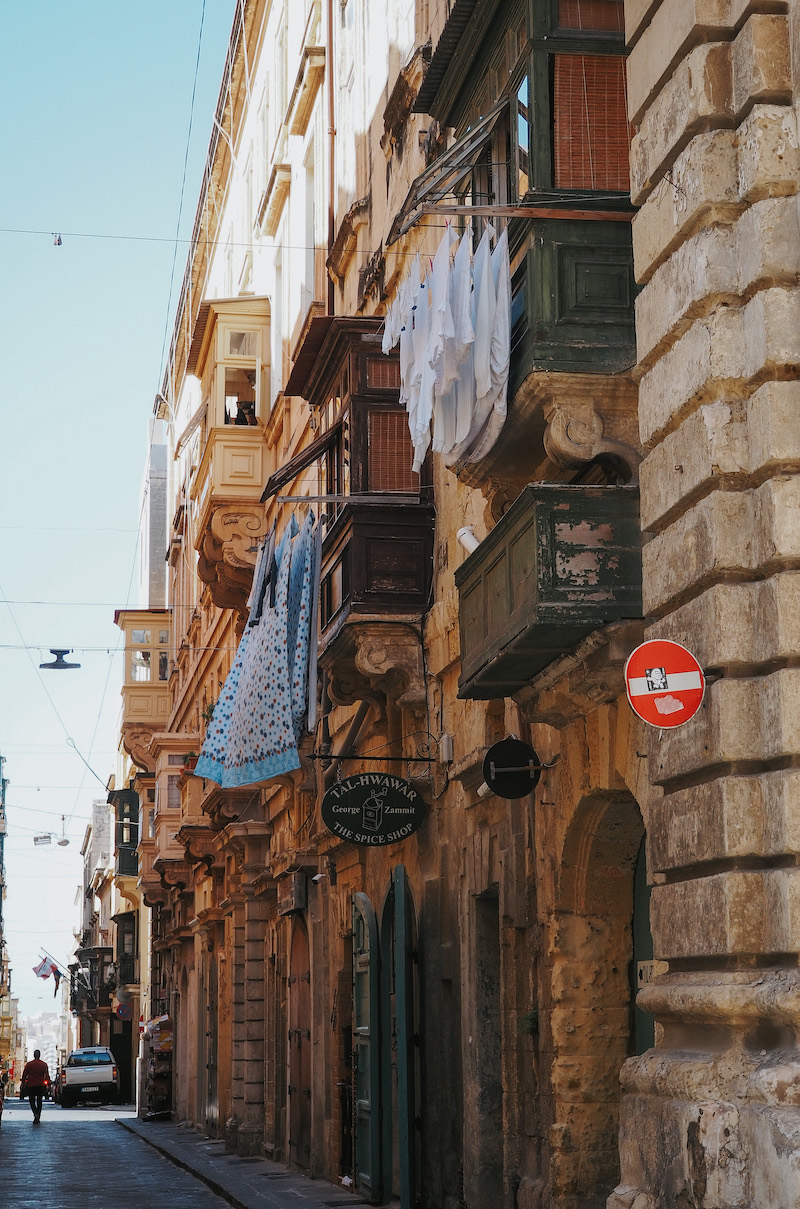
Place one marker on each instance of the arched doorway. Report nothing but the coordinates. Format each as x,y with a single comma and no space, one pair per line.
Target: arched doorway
602,909
300,1048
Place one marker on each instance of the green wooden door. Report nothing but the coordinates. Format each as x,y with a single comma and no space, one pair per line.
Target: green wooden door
366,1066
405,1032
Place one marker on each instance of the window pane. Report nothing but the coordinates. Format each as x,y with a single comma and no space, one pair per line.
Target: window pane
163,637
390,454
141,637
591,135
240,396
243,344
140,665
523,138
595,15
163,665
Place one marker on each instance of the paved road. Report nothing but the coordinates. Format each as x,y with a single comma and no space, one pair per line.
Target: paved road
79,1158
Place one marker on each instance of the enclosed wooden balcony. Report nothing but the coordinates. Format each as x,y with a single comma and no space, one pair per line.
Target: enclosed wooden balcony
377,560
562,561
145,690
230,355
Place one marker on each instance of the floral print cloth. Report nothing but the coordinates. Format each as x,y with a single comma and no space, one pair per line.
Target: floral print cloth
259,717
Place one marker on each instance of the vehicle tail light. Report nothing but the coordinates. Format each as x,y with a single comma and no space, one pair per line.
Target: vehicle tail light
114,1069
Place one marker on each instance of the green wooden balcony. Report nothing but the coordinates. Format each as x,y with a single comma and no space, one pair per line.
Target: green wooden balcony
562,561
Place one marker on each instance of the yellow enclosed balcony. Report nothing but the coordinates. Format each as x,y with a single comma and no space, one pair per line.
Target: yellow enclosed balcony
230,355
145,689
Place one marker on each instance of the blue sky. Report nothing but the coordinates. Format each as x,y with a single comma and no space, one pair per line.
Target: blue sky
97,99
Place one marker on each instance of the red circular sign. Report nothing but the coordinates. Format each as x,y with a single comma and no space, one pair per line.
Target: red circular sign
664,683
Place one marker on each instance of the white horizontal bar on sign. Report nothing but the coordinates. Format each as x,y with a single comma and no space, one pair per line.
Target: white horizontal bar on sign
676,681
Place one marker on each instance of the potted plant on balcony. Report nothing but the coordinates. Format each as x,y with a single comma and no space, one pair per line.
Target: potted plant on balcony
189,761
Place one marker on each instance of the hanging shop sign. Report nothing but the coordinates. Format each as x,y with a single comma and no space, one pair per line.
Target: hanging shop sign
373,809
664,682
512,768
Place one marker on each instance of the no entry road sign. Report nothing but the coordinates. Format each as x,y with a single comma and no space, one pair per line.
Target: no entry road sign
664,683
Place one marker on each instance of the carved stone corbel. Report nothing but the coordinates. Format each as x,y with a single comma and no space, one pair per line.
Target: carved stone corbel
200,843
227,554
175,875
379,663
575,435
137,741
153,893
224,806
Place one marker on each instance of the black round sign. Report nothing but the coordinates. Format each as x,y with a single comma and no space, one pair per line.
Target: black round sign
507,771
373,809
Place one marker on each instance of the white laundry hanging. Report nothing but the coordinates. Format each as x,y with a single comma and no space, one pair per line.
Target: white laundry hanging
454,330
500,354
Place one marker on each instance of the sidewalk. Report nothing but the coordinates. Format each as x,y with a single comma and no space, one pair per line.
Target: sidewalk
245,1183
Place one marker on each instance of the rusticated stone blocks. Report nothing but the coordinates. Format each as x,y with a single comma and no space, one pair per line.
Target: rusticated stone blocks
729,818
715,85
739,912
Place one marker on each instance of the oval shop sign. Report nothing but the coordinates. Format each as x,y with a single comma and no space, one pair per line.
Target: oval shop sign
373,809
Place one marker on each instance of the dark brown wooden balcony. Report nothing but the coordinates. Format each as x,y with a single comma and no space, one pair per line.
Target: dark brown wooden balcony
377,560
562,561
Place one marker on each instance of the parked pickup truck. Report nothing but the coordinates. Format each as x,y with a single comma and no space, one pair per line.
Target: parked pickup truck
90,1074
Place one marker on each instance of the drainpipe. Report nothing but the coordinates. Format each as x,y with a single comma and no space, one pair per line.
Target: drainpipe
331,149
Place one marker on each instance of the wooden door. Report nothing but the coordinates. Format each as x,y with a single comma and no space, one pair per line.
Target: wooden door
300,1048
366,1067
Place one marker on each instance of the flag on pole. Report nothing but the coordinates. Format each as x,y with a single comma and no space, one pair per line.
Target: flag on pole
57,976
45,968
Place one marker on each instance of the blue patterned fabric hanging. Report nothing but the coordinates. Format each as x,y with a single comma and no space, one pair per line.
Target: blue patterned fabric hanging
258,719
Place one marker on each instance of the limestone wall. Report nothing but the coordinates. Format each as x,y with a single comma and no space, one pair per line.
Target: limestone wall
710,1116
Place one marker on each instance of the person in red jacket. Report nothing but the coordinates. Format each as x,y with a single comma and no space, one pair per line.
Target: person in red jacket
35,1079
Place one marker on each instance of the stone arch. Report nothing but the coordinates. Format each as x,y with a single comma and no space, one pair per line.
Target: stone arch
591,1018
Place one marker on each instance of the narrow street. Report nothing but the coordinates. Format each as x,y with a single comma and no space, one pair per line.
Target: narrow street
96,1156
83,1157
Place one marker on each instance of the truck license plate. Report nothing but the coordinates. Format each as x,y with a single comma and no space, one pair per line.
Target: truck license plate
90,1089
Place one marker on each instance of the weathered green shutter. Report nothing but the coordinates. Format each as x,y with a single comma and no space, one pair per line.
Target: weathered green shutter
404,1001
366,1070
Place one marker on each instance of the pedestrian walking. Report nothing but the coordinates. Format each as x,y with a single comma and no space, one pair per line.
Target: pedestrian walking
3,1083
35,1079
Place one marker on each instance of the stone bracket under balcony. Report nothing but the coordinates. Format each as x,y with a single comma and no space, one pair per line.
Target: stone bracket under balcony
137,741
174,874
370,661
563,421
224,806
228,552
200,842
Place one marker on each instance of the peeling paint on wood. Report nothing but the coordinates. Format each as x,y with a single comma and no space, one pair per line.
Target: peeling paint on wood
561,562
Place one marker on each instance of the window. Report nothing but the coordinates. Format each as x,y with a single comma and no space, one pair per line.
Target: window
140,666
240,396
577,69
243,344
545,114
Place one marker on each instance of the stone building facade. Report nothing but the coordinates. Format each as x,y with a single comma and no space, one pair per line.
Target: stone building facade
585,994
